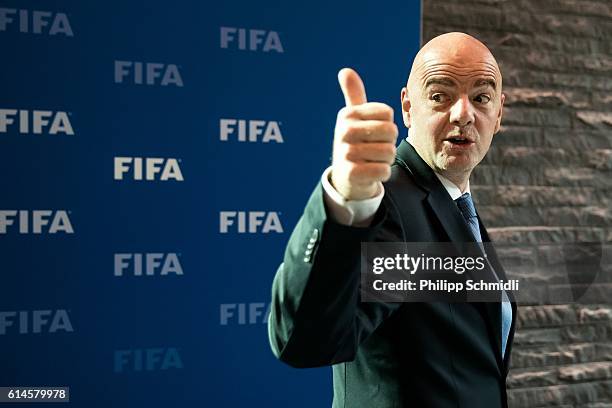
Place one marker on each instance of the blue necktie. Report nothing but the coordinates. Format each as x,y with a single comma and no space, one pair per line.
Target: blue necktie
466,205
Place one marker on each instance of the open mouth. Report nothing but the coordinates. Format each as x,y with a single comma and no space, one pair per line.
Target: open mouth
459,140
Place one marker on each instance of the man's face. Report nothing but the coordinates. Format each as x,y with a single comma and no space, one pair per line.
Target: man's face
453,106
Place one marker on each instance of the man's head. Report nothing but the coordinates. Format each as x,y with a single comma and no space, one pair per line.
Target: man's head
453,104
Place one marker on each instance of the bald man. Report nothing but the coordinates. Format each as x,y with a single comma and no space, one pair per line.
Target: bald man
422,355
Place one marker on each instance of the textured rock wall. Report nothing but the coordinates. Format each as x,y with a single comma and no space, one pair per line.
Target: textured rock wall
546,184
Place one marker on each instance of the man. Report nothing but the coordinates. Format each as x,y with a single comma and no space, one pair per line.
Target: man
399,354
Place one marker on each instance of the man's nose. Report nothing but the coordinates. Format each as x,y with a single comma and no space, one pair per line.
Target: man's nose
462,112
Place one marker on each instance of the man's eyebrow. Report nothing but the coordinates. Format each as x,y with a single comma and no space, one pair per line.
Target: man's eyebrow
439,81
486,81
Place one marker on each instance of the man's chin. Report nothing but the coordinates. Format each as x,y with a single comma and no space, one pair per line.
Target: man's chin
456,163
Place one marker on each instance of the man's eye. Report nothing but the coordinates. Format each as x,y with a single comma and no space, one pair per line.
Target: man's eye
439,98
482,98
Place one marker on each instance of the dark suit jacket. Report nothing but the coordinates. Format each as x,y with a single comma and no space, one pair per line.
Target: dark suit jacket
421,355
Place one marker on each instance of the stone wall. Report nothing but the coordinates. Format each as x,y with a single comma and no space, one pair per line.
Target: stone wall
546,183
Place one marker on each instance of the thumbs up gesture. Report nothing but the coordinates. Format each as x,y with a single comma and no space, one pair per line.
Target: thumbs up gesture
364,141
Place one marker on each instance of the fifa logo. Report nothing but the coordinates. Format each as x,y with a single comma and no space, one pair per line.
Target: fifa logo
251,222
244,313
250,131
36,221
251,40
35,321
150,264
147,73
36,122
149,359
35,22
151,168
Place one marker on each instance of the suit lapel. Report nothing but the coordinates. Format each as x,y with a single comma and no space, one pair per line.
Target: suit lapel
456,229
439,201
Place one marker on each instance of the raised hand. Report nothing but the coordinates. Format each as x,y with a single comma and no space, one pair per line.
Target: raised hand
364,141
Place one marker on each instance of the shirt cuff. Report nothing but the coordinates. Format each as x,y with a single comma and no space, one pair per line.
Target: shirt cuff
356,213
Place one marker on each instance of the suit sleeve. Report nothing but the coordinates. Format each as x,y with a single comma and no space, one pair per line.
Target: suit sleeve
316,317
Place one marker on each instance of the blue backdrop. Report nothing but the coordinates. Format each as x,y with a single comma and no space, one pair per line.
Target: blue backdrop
154,158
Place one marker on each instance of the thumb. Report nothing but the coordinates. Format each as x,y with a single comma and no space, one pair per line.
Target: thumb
352,87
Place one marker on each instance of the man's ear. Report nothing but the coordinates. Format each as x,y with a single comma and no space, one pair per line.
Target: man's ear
405,107
499,115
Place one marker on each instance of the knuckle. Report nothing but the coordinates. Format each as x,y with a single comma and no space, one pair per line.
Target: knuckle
383,170
352,153
344,151
389,149
344,131
343,112
393,129
350,131
350,112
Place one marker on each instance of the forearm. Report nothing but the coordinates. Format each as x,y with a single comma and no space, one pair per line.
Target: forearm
315,297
